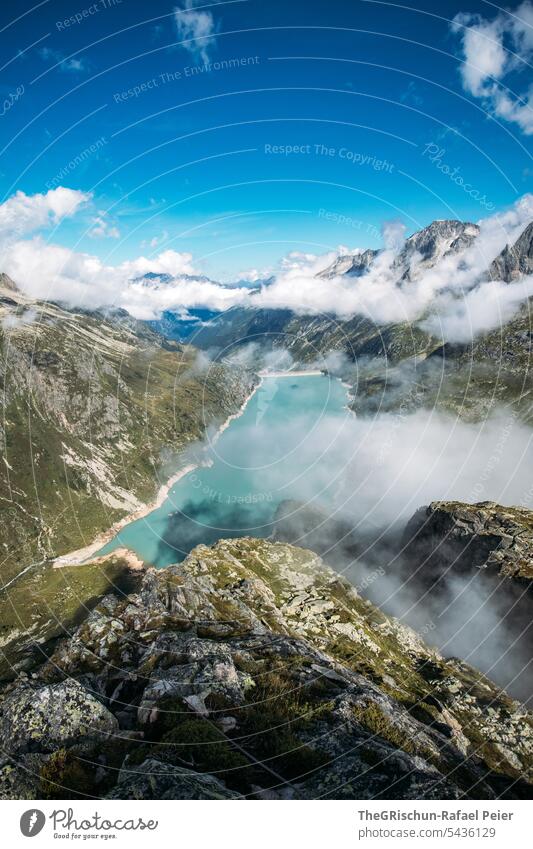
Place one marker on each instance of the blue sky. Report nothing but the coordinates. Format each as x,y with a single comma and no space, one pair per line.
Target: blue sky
368,95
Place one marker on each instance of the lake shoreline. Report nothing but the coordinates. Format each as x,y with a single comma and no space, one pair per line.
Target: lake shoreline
301,373
85,554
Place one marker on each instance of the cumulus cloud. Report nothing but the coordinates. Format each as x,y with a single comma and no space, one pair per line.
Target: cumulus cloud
196,27
253,275
156,241
56,273
22,214
103,229
297,262
393,233
488,305
69,64
492,50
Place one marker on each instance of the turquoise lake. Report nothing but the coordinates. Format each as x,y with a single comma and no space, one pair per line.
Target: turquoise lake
269,454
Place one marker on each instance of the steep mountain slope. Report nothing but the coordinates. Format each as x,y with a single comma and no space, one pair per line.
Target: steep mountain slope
515,260
468,380
96,409
252,669
465,571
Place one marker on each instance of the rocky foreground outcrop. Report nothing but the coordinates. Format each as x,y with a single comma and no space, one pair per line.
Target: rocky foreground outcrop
253,670
452,535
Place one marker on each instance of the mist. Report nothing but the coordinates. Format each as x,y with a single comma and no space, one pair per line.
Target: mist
345,487
373,477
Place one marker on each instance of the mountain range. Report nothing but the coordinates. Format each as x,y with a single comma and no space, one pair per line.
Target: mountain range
383,363
252,669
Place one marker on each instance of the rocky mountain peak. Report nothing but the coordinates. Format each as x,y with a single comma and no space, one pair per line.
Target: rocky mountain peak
350,265
427,240
465,537
7,283
424,248
155,280
515,260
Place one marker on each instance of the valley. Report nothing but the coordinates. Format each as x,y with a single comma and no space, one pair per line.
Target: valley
225,508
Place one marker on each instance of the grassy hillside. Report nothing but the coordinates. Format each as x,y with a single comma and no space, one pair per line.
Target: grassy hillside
96,411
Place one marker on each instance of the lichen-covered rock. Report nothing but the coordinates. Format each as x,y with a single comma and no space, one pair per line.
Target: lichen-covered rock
19,779
255,666
155,779
50,717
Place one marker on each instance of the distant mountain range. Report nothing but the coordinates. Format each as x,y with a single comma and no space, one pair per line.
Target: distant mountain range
182,325
391,358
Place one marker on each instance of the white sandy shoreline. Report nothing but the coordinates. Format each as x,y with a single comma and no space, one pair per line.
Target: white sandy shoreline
75,558
82,555
301,373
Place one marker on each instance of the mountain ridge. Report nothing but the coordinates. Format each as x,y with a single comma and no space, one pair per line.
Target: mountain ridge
265,673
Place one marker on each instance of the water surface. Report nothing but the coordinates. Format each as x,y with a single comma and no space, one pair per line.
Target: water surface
267,455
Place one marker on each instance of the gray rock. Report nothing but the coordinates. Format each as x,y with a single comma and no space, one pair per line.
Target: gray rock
515,260
52,717
20,777
154,779
331,699
464,537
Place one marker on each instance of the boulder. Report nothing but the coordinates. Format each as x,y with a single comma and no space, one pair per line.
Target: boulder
154,779
51,717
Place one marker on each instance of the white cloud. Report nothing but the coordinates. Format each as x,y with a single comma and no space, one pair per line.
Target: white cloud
155,241
197,27
22,213
393,233
73,64
492,49
297,262
103,229
485,307
253,275
52,272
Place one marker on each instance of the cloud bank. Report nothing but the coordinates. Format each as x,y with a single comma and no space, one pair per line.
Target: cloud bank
454,299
